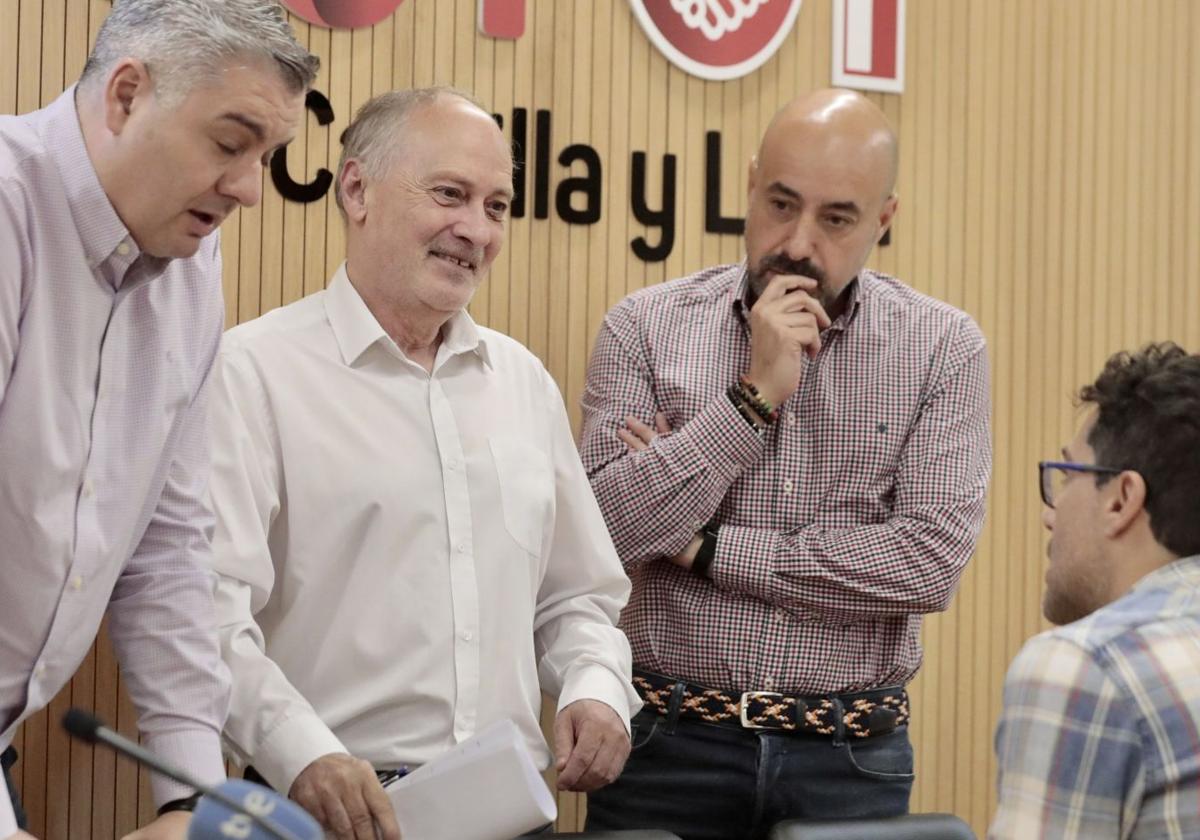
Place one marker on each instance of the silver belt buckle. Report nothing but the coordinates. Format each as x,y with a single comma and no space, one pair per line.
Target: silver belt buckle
746,722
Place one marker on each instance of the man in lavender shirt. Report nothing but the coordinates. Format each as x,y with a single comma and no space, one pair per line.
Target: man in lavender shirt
110,317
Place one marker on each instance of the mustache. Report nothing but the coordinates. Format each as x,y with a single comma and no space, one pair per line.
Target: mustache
781,264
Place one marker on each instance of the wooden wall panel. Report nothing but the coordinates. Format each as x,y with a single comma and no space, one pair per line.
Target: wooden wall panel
1048,183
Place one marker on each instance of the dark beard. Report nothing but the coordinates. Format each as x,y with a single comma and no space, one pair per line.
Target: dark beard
780,264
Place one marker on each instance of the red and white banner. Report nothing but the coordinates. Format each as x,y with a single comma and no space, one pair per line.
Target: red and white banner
717,39
343,14
868,44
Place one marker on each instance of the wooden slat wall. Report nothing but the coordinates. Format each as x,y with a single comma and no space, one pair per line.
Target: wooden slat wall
1048,186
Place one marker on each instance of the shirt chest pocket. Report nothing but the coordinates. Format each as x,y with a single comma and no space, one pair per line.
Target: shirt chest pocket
526,482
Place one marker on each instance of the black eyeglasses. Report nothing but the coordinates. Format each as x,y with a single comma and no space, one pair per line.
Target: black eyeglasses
1052,475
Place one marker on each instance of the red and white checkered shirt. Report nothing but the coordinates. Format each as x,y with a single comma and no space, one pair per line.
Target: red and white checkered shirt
854,514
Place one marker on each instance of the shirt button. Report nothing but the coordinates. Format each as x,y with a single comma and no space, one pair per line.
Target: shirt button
452,464
788,486
780,616
77,583
466,635
87,489
39,671
462,548
791,419
769,683
123,249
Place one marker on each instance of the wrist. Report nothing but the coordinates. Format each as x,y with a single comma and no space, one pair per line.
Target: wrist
745,395
761,385
707,551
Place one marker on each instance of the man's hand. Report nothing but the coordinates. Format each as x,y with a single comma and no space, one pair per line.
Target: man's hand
686,558
590,745
345,796
785,323
638,436
20,835
172,825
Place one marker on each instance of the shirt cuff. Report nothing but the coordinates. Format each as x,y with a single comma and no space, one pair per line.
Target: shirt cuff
293,745
744,560
723,438
595,682
8,819
196,752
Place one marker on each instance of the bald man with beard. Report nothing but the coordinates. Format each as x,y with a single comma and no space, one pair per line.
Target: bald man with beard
791,455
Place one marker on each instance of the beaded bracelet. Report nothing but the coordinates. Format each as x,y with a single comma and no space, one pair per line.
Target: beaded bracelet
757,401
735,395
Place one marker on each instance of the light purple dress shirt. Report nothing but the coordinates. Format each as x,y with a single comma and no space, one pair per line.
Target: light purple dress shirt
105,354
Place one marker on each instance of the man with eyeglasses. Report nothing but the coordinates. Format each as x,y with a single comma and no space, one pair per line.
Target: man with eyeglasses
1100,734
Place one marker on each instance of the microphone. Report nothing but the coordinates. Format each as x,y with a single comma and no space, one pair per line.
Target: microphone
235,809
254,808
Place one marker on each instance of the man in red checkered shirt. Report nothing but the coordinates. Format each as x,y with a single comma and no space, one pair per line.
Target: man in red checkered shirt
792,456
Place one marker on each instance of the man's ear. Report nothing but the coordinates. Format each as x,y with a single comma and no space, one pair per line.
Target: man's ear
751,177
352,186
1124,500
886,214
128,84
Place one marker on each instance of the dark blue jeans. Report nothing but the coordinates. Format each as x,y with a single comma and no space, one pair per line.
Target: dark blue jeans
709,782
7,759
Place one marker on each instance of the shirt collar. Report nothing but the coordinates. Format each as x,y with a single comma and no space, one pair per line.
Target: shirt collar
355,328
859,290
100,228
1185,571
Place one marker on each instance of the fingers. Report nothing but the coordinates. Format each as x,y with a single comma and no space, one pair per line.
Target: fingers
345,796
349,816
564,739
635,443
804,302
781,284
601,745
638,435
580,760
382,811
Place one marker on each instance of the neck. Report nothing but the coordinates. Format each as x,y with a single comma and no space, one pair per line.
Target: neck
415,328
1142,557
91,125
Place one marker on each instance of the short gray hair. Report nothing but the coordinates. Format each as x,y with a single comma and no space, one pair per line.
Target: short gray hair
371,139
183,42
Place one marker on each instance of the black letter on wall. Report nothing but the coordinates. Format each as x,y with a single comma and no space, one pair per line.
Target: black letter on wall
664,218
316,189
588,184
714,222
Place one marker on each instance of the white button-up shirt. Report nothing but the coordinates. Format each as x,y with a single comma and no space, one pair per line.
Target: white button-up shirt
405,557
104,359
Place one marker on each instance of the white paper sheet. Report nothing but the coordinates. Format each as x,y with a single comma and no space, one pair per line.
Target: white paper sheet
486,788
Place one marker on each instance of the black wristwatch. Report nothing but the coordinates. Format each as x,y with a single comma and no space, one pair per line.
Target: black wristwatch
188,803
707,550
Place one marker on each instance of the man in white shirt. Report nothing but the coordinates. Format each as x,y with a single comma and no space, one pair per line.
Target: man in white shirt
408,546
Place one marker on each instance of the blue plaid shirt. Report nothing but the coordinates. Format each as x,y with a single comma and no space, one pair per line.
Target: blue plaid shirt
1100,734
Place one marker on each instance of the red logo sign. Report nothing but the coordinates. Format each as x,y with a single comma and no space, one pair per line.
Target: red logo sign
502,18
344,14
717,39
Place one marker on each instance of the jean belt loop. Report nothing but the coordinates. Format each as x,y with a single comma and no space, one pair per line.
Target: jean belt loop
839,722
674,706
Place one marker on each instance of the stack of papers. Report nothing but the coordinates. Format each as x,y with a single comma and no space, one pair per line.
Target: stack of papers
486,788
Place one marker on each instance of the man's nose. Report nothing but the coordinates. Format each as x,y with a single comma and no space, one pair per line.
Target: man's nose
243,183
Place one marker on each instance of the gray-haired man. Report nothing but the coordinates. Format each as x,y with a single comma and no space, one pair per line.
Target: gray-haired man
407,545
110,317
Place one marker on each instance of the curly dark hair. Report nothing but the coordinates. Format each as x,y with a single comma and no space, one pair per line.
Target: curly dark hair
1148,420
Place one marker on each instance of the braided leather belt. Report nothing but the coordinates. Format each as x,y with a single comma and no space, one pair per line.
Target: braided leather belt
867,713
